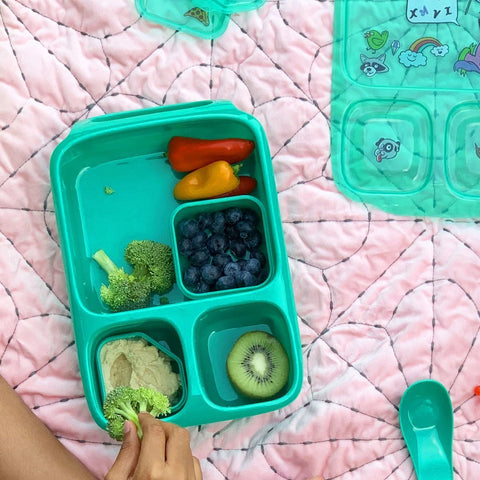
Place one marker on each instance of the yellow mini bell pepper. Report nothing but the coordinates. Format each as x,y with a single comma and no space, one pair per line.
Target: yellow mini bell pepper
209,181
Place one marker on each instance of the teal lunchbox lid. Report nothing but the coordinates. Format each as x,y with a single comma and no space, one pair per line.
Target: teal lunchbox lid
185,15
229,6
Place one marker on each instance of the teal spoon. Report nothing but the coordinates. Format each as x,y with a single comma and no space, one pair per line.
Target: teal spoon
426,421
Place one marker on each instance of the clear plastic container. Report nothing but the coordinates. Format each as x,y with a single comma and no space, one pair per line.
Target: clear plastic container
405,86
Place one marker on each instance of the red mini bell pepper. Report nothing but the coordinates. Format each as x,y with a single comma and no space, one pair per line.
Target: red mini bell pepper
186,154
247,185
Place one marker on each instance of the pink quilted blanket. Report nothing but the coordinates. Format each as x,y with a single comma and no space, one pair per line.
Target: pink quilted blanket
382,301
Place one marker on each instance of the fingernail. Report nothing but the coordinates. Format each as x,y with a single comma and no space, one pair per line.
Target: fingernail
126,427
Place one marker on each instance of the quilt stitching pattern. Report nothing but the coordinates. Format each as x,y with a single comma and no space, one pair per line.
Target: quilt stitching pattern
382,301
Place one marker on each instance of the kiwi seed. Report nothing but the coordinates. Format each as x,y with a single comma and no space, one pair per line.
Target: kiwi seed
258,365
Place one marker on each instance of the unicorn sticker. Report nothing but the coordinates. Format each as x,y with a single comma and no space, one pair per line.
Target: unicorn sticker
468,60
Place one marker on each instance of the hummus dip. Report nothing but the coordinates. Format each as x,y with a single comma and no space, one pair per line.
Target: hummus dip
135,363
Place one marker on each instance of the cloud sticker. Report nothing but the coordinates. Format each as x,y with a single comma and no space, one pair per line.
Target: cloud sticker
440,51
412,59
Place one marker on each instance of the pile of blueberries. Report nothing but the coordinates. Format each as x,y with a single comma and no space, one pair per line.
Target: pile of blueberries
223,250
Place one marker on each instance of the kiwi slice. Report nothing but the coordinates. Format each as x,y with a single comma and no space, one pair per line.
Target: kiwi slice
258,365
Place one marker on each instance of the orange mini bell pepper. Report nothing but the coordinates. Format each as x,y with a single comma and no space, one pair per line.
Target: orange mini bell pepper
211,180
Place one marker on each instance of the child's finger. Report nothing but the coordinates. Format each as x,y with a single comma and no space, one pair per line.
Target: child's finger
153,442
178,446
127,458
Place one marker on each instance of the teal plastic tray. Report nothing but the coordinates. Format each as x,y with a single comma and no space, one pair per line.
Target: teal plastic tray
202,18
124,151
186,16
405,127
230,6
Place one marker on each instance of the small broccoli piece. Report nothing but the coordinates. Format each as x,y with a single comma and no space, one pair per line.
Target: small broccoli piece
118,407
124,290
152,402
115,427
152,260
125,403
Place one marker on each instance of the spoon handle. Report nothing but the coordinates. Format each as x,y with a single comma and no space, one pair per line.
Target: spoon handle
432,462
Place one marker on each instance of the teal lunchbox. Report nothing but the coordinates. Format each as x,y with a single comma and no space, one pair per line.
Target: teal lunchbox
202,18
112,183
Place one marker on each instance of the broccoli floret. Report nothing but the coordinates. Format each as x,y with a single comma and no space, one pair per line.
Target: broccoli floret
152,402
152,260
115,427
125,403
118,407
124,290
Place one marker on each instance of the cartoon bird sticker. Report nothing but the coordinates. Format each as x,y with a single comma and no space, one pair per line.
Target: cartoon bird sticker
376,40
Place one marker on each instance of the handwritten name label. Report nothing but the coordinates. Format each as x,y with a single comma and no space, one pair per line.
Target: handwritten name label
432,11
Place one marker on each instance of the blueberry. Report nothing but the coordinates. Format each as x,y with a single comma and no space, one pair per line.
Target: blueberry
188,227
221,259
262,276
231,232
205,220
226,282
201,287
253,266
251,216
185,246
245,279
191,276
231,269
233,215
217,243
199,257
241,263
199,240
210,273
245,228
238,248
218,223
260,256
253,240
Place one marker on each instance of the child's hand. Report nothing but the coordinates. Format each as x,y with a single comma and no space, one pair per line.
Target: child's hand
163,454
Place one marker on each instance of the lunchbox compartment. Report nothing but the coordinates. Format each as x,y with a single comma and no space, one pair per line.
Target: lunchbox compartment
198,211
462,163
216,331
386,148
131,162
161,336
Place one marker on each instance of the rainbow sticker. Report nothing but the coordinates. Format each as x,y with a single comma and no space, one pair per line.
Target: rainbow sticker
414,57
423,43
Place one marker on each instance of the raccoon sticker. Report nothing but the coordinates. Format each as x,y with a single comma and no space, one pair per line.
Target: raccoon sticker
372,65
386,149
